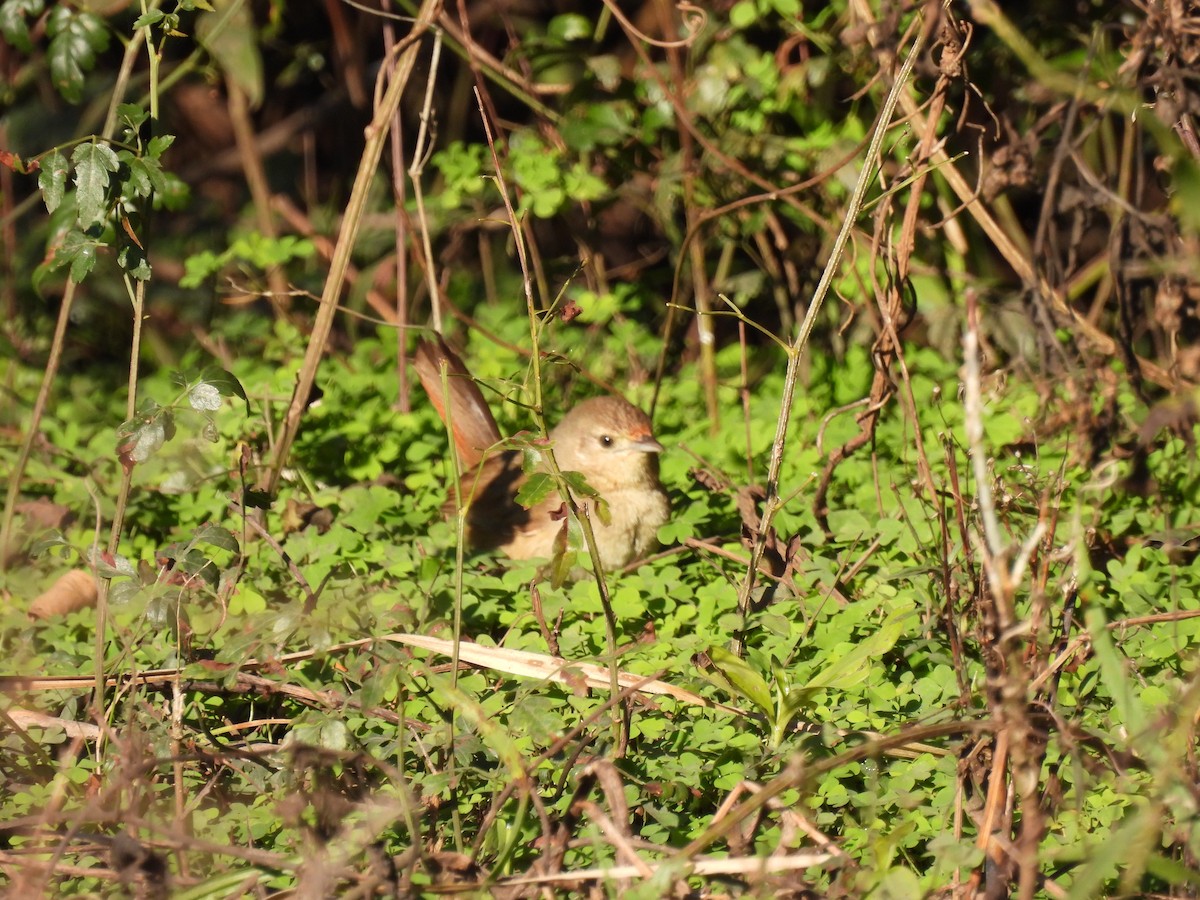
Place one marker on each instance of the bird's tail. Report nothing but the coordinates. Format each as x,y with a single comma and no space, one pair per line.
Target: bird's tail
445,378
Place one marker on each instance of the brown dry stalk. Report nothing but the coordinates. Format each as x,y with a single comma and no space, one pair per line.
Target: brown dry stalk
377,133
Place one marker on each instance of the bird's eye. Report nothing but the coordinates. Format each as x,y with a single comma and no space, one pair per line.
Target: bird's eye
606,440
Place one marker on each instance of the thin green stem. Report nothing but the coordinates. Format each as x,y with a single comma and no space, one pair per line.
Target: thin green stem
579,511
772,502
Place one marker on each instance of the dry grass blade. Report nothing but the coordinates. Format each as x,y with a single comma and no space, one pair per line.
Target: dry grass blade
736,866
524,664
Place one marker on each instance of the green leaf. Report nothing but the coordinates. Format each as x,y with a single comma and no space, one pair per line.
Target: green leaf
110,565
200,266
579,486
75,39
13,25
852,667
570,27
148,440
191,561
151,18
133,116
580,489
174,195
545,203
48,542
247,601
143,436
743,14
53,179
582,185
133,260
145,174
265,253
737,677
601,125
226,383
537,487
1113,674
157,145
562,561
93,164
124,592
204,398
77,251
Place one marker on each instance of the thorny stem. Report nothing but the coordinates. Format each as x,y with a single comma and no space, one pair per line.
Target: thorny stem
579,511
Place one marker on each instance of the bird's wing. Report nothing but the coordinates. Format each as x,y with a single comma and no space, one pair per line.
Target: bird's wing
496,520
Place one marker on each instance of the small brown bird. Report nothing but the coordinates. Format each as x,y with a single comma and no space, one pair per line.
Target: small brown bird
606,439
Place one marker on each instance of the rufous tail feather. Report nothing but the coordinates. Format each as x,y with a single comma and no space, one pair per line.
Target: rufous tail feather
474,427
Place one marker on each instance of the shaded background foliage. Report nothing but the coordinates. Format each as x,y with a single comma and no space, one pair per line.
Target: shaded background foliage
761,106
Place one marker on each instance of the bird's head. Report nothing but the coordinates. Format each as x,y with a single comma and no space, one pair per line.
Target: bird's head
610,441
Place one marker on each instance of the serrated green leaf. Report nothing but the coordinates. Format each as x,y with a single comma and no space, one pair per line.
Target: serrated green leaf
145,175
151,18
66,74
53,179
579,486
75,39
133,260
537,487
77,251
94,163
80,24
13,24
157,145
133,116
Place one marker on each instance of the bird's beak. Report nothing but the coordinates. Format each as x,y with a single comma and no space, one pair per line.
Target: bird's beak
646,444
